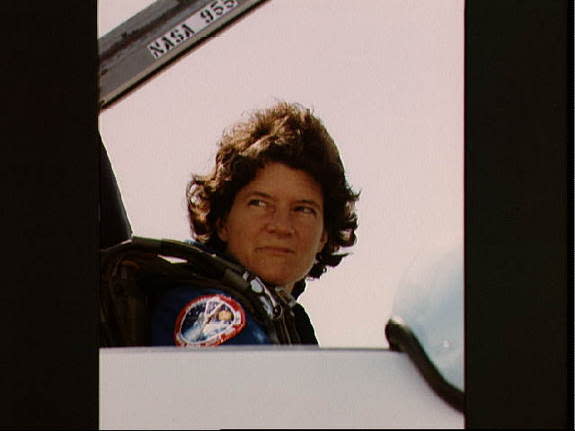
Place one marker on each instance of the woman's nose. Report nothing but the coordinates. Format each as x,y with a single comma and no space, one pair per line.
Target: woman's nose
280,222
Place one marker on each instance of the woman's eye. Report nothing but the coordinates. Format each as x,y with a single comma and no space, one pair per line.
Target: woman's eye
306,210
256,203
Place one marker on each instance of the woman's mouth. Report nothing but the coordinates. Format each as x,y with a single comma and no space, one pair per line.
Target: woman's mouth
279,251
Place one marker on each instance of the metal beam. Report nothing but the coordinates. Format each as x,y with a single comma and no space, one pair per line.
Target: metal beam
144,44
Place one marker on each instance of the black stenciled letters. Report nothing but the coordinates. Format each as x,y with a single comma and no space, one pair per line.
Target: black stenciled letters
168,44
156,50
177,36
188,32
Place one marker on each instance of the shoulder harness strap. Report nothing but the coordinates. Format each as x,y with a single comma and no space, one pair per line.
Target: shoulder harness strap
137,270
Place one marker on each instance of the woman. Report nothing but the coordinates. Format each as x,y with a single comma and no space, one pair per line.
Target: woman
277,202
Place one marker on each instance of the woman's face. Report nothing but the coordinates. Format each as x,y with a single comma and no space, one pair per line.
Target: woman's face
275,225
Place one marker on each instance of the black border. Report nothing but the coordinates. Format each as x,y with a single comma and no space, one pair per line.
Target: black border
517,125
48,316
519,211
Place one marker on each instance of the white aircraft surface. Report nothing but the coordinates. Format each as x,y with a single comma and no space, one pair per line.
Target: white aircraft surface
271,387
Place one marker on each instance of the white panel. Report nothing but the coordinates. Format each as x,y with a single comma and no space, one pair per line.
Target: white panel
268,387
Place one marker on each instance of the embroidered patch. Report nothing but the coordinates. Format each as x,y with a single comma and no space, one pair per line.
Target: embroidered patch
208,321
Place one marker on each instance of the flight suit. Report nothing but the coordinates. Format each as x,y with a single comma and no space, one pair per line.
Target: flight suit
207,300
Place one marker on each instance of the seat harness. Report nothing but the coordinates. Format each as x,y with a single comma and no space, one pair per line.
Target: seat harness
136,272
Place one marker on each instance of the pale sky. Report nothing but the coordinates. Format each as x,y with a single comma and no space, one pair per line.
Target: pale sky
386,78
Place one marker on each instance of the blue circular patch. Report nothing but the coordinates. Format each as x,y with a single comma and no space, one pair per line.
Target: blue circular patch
209,320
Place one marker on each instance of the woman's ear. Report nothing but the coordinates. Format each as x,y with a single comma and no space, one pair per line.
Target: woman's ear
222,230
322,241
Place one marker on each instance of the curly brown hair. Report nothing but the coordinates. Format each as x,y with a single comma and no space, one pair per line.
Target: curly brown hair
285,133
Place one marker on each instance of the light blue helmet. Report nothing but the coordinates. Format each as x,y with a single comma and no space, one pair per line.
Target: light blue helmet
427,319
